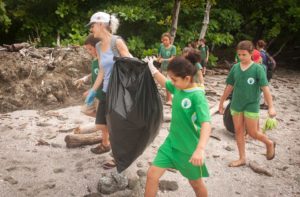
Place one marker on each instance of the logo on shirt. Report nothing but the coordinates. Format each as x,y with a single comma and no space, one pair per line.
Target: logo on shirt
96,71
186,103
250,81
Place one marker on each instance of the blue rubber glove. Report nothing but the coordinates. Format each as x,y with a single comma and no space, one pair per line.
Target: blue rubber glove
90,97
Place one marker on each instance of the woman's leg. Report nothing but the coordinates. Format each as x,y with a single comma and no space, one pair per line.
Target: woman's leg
105,134
238,121
153,175
199,187
252,128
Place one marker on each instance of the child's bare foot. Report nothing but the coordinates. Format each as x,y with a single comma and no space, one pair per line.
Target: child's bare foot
238,163
271,151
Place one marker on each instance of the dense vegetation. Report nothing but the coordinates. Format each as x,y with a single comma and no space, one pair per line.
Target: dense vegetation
44,22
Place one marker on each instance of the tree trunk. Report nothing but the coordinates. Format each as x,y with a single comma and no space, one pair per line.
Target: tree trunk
205,20
175,15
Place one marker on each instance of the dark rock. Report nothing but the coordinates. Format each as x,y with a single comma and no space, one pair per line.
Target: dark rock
165,185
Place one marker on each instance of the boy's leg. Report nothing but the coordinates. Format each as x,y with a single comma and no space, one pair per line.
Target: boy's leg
199,187
153,175
238,121
252,128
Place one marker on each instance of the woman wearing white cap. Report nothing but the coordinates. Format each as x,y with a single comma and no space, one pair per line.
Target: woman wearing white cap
103,26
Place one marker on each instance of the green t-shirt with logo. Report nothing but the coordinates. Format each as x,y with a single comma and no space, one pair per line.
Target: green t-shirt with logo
246,87
95,68
166,53
189,110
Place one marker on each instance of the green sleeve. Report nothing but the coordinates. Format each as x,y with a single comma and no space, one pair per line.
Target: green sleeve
202,108
170,87
173,51
159,50
230,78
199,66
262,77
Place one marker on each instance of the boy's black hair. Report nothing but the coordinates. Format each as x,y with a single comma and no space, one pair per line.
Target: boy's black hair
181,67
91,40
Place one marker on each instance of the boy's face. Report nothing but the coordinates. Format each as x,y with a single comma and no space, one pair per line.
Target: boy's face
244,55
166,41
91,50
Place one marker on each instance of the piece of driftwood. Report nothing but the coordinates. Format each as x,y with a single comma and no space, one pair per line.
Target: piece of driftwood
85,129
16,47
76,140
256,168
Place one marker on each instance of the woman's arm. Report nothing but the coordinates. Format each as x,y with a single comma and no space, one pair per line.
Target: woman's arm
122,48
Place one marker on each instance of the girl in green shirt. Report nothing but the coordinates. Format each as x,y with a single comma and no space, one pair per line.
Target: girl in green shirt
246,79
190,128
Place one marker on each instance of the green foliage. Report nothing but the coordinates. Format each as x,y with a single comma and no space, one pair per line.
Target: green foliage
143,21
212,60
4,19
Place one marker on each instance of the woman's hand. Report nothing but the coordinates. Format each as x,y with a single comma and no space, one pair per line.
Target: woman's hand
197,158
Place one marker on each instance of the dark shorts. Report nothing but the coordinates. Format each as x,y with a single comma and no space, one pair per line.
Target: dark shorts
101,111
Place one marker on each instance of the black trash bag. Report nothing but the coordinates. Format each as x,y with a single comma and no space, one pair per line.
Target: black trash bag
227,119
134,110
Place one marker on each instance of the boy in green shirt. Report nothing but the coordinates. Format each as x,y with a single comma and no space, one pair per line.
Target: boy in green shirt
190,128
90,44
246,79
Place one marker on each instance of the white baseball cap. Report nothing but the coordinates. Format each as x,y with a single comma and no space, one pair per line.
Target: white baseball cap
99,17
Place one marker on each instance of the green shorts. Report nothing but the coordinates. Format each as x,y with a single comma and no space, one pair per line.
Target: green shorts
168,157
251,115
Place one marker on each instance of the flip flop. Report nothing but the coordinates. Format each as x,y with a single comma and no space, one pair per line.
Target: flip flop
109,165
100,149
169,103
272,157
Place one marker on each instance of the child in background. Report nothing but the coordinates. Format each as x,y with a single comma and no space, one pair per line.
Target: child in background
166,53
89,45
194,56
204,54
190,128
246,79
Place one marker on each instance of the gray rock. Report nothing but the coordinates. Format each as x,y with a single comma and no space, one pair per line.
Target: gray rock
112,183
165,185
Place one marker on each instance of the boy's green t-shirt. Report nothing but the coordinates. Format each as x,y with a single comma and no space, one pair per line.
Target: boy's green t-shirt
166,53
203,50
95,68
189,110
246,87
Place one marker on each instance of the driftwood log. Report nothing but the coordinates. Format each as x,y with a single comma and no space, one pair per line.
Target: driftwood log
76,140
85,129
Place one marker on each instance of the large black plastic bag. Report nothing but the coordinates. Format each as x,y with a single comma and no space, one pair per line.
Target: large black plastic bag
134,110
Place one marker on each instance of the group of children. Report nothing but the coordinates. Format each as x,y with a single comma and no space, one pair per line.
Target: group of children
190,128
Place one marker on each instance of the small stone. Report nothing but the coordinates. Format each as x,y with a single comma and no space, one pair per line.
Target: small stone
141,173
228,148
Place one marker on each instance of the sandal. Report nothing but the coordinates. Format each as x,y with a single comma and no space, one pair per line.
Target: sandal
100,149
272,157
109,165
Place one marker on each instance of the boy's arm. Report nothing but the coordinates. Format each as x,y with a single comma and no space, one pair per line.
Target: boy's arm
268,98
197,158
226,93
